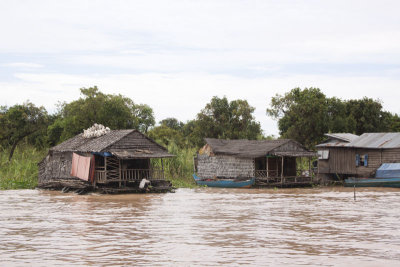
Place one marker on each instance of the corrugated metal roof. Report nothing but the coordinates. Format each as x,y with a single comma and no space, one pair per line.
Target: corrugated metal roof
347,137
377,140
332,144
370,140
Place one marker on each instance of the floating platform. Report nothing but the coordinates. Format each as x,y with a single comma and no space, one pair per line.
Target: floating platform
81,187
285,182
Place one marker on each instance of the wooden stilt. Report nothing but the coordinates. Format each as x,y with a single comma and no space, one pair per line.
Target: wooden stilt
283,159
105,168
119,172
162,168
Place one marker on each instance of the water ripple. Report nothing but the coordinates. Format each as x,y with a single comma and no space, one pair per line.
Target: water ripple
202,227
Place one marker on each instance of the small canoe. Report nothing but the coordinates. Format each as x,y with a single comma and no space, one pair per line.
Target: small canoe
226,183
372,182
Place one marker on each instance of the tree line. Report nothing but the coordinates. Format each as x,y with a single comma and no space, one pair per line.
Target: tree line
302,114
306,115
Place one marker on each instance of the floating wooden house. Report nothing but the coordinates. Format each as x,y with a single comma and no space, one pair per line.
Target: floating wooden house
272,162
348,155
117,159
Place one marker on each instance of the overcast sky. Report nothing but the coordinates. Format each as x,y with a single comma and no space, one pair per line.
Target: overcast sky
176,55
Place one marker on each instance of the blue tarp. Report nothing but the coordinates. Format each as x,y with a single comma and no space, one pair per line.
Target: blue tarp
388,170
104,154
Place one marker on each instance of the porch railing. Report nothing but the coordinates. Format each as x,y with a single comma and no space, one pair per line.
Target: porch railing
128,175
265,173
139,174
100,176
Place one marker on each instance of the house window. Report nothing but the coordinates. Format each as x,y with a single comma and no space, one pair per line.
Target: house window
323,154
361,160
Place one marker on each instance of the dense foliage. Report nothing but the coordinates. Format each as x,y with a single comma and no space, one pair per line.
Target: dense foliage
114,111
305,115
218,119
21,172
19,122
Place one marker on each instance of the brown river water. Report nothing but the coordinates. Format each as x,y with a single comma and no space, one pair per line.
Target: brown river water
202,227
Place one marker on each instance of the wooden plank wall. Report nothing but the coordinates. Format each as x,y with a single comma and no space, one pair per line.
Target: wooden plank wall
343,161
391,155
374,162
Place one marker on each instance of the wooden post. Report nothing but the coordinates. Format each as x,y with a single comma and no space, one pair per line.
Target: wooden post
105,169
267,169
94,171
309,168
119,172
254,167
162,168
283,159
194,165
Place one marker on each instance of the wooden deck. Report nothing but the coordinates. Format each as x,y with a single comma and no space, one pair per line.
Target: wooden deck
285,182
157,186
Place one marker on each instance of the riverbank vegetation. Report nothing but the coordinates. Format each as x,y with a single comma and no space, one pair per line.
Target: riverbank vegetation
27,131
21,172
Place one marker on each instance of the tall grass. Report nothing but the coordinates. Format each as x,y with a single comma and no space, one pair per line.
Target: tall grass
179,169
22,171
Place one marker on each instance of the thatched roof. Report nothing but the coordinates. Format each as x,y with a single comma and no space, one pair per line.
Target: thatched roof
258,148
121,143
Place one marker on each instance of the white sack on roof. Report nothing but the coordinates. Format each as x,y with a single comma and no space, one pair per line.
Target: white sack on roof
96,130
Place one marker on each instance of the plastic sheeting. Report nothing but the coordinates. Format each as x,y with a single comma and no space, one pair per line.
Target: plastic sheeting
388,170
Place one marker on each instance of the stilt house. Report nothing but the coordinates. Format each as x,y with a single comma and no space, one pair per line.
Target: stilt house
356,156
270,161
118,158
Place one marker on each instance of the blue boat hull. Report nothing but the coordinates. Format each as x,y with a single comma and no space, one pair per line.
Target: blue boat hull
225,183
372,182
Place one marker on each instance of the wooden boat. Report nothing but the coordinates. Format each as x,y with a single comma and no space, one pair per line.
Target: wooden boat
372,182
225,183
387,175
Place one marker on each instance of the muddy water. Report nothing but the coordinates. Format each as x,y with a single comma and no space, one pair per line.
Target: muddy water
202,227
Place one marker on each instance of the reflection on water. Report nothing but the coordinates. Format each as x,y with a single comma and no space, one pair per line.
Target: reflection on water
202,227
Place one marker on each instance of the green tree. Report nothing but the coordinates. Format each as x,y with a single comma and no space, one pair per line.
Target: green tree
228,120
166,136
19,122
192,136
302,115
114,111
305,115
173,123
394,122
338,120
368,115
144,117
